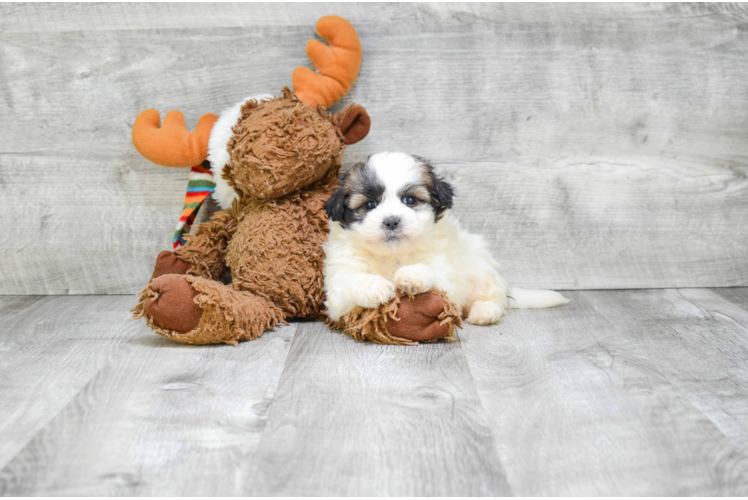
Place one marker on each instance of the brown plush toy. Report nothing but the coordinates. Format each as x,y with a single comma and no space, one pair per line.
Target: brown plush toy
276,160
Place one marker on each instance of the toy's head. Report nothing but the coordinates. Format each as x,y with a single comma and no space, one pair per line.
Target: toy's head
266,147
280,145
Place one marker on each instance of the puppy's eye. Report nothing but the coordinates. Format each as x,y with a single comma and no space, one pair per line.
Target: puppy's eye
409,201
370,205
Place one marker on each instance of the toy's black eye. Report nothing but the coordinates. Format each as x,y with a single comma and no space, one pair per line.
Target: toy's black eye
370,205
409,201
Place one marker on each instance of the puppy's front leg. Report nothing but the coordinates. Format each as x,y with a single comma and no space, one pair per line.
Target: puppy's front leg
414,279
346,291
370,290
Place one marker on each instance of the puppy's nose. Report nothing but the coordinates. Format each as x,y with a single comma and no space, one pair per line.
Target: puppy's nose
391,223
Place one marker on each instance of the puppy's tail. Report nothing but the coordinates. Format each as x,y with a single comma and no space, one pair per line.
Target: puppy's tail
520,298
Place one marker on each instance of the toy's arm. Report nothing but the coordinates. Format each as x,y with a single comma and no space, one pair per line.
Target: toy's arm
205,249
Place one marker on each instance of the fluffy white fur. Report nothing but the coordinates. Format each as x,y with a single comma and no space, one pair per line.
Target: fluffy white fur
366,262
218,155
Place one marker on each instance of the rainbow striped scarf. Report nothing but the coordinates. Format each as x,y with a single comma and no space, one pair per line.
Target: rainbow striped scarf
199,187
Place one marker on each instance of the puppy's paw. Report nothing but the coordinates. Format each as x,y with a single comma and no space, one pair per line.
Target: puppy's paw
377,291
483,313
413,279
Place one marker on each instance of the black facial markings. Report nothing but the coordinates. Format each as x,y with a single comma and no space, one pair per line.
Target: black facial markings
360,179
440,191
367,184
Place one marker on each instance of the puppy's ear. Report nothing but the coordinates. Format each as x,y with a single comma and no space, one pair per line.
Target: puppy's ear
441,196
336,206
440,191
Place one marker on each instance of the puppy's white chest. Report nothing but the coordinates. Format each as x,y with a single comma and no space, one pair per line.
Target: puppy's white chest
387,267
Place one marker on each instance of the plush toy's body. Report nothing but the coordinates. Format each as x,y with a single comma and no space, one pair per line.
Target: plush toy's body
284,161
276,161
287,268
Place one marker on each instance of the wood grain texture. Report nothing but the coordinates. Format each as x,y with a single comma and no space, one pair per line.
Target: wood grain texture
637,392
103,17
593,400
50,348
596,146
703,351
161,417
560,225
739,297
357,419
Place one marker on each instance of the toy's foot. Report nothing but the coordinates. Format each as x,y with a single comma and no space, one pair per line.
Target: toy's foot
419,318
193,310
173,306
168,263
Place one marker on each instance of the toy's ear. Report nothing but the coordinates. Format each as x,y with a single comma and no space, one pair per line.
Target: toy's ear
355,124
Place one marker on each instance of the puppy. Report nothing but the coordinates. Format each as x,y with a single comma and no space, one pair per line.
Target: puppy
391,229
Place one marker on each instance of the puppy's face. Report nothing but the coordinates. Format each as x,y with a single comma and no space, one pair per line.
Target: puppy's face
389,202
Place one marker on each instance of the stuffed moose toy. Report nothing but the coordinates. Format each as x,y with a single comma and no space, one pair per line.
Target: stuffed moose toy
275,161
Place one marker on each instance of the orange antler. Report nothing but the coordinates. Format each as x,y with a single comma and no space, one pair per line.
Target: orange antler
171,144
337,64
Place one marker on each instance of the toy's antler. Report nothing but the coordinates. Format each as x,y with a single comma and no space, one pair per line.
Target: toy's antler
171,144
337,64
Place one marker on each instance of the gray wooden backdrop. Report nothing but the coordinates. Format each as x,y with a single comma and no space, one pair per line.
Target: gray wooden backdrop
595,145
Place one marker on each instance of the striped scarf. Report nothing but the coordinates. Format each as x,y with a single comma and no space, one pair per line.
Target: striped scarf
199,187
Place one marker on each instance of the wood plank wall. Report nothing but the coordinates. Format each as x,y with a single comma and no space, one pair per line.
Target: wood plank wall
595,145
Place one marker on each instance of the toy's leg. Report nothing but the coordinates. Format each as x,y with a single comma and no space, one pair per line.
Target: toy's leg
168,263
194,310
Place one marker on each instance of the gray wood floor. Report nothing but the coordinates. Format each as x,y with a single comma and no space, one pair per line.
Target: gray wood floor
619,393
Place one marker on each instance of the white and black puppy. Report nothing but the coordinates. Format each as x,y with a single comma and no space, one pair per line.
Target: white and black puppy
391,229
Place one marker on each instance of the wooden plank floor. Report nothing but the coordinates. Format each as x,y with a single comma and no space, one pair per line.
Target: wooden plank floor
635,392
